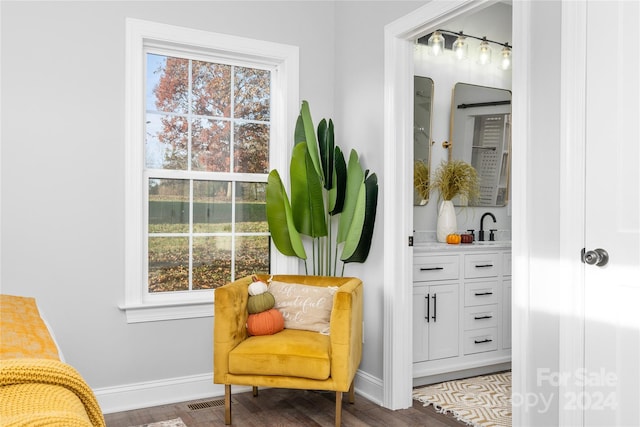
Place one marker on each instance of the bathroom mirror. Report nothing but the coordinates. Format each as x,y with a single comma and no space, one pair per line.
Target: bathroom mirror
422,107
481,135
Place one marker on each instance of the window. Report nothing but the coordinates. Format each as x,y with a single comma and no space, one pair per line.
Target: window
208,115
207,133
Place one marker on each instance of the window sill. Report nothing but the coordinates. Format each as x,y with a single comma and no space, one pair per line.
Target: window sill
167,311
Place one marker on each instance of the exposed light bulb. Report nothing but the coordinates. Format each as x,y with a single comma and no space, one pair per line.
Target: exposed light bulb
484,52
436,43
460,47
505,61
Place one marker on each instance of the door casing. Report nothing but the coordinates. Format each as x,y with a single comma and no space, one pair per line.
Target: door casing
397,185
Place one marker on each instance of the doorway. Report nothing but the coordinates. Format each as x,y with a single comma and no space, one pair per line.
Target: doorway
399,70
550,100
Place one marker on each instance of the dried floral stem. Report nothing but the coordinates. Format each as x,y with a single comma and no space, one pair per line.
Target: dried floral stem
456,178
421,179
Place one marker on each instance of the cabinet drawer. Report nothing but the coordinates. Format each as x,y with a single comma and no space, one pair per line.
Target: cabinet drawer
481,265
480,340
506,264
428,268
480,293
479,317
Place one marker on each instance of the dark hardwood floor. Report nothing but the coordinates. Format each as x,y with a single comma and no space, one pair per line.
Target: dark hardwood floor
284,407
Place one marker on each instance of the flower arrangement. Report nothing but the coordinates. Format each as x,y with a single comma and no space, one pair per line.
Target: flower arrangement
456,178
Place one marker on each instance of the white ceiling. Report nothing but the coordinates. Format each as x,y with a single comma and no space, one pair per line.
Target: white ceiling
493,22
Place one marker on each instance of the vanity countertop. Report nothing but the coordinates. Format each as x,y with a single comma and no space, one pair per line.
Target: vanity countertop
425,247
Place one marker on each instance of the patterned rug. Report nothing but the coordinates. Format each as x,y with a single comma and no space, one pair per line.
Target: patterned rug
169,423
479,401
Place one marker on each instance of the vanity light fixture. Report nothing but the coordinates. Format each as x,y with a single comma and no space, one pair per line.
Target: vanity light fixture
436,43
505,61
461,47
440,40
484,52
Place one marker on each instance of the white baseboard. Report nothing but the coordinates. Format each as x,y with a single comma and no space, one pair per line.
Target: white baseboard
369,387
161,392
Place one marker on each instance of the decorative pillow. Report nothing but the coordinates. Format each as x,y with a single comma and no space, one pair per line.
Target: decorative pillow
259,303
304,307
266,323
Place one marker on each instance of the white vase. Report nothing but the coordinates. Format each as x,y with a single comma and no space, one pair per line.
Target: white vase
446,220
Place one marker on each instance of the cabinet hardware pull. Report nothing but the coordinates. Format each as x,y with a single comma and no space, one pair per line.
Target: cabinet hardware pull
431,268
479,294
434,307
482,317
484,265
482,341
426,300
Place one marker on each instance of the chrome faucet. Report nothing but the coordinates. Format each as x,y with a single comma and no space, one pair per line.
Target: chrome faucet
481,232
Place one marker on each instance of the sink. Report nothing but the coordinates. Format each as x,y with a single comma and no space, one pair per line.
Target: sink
426,247
493,243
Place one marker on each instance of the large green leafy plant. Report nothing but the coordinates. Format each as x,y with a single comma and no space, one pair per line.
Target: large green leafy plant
327,194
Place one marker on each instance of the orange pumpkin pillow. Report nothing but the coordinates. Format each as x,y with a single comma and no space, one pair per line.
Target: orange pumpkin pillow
266,323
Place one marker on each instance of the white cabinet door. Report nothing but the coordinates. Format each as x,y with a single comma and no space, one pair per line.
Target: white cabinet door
612,292
421,300
435,322
443,324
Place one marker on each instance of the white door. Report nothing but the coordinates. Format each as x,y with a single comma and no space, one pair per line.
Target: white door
612,292
421,298
435,322
443,326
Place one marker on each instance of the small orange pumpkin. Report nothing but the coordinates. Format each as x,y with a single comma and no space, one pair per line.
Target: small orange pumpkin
453,239
266,323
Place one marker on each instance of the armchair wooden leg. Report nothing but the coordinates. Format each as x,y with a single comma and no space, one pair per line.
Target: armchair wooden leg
255,391
227,404
338,408
352,392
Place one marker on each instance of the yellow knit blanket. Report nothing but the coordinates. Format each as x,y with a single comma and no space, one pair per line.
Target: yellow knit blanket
36,388
23,333
57,395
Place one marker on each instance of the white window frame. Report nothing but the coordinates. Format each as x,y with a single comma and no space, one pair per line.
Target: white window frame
282,60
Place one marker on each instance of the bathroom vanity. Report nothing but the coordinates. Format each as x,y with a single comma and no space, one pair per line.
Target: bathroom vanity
461,310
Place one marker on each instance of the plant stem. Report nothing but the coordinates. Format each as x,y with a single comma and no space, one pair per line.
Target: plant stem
313,245
329,241
323,244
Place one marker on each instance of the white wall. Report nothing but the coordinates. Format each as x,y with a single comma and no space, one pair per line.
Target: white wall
63,162
494,22
359,124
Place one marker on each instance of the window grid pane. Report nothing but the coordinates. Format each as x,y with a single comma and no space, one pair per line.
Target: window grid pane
211,262
168,206
205,117
252,255
210,146
168,264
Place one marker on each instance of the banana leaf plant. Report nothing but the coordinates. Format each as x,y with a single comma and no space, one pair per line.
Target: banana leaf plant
327,194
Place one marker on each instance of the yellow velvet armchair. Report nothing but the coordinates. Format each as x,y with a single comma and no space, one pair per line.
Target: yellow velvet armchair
291,358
